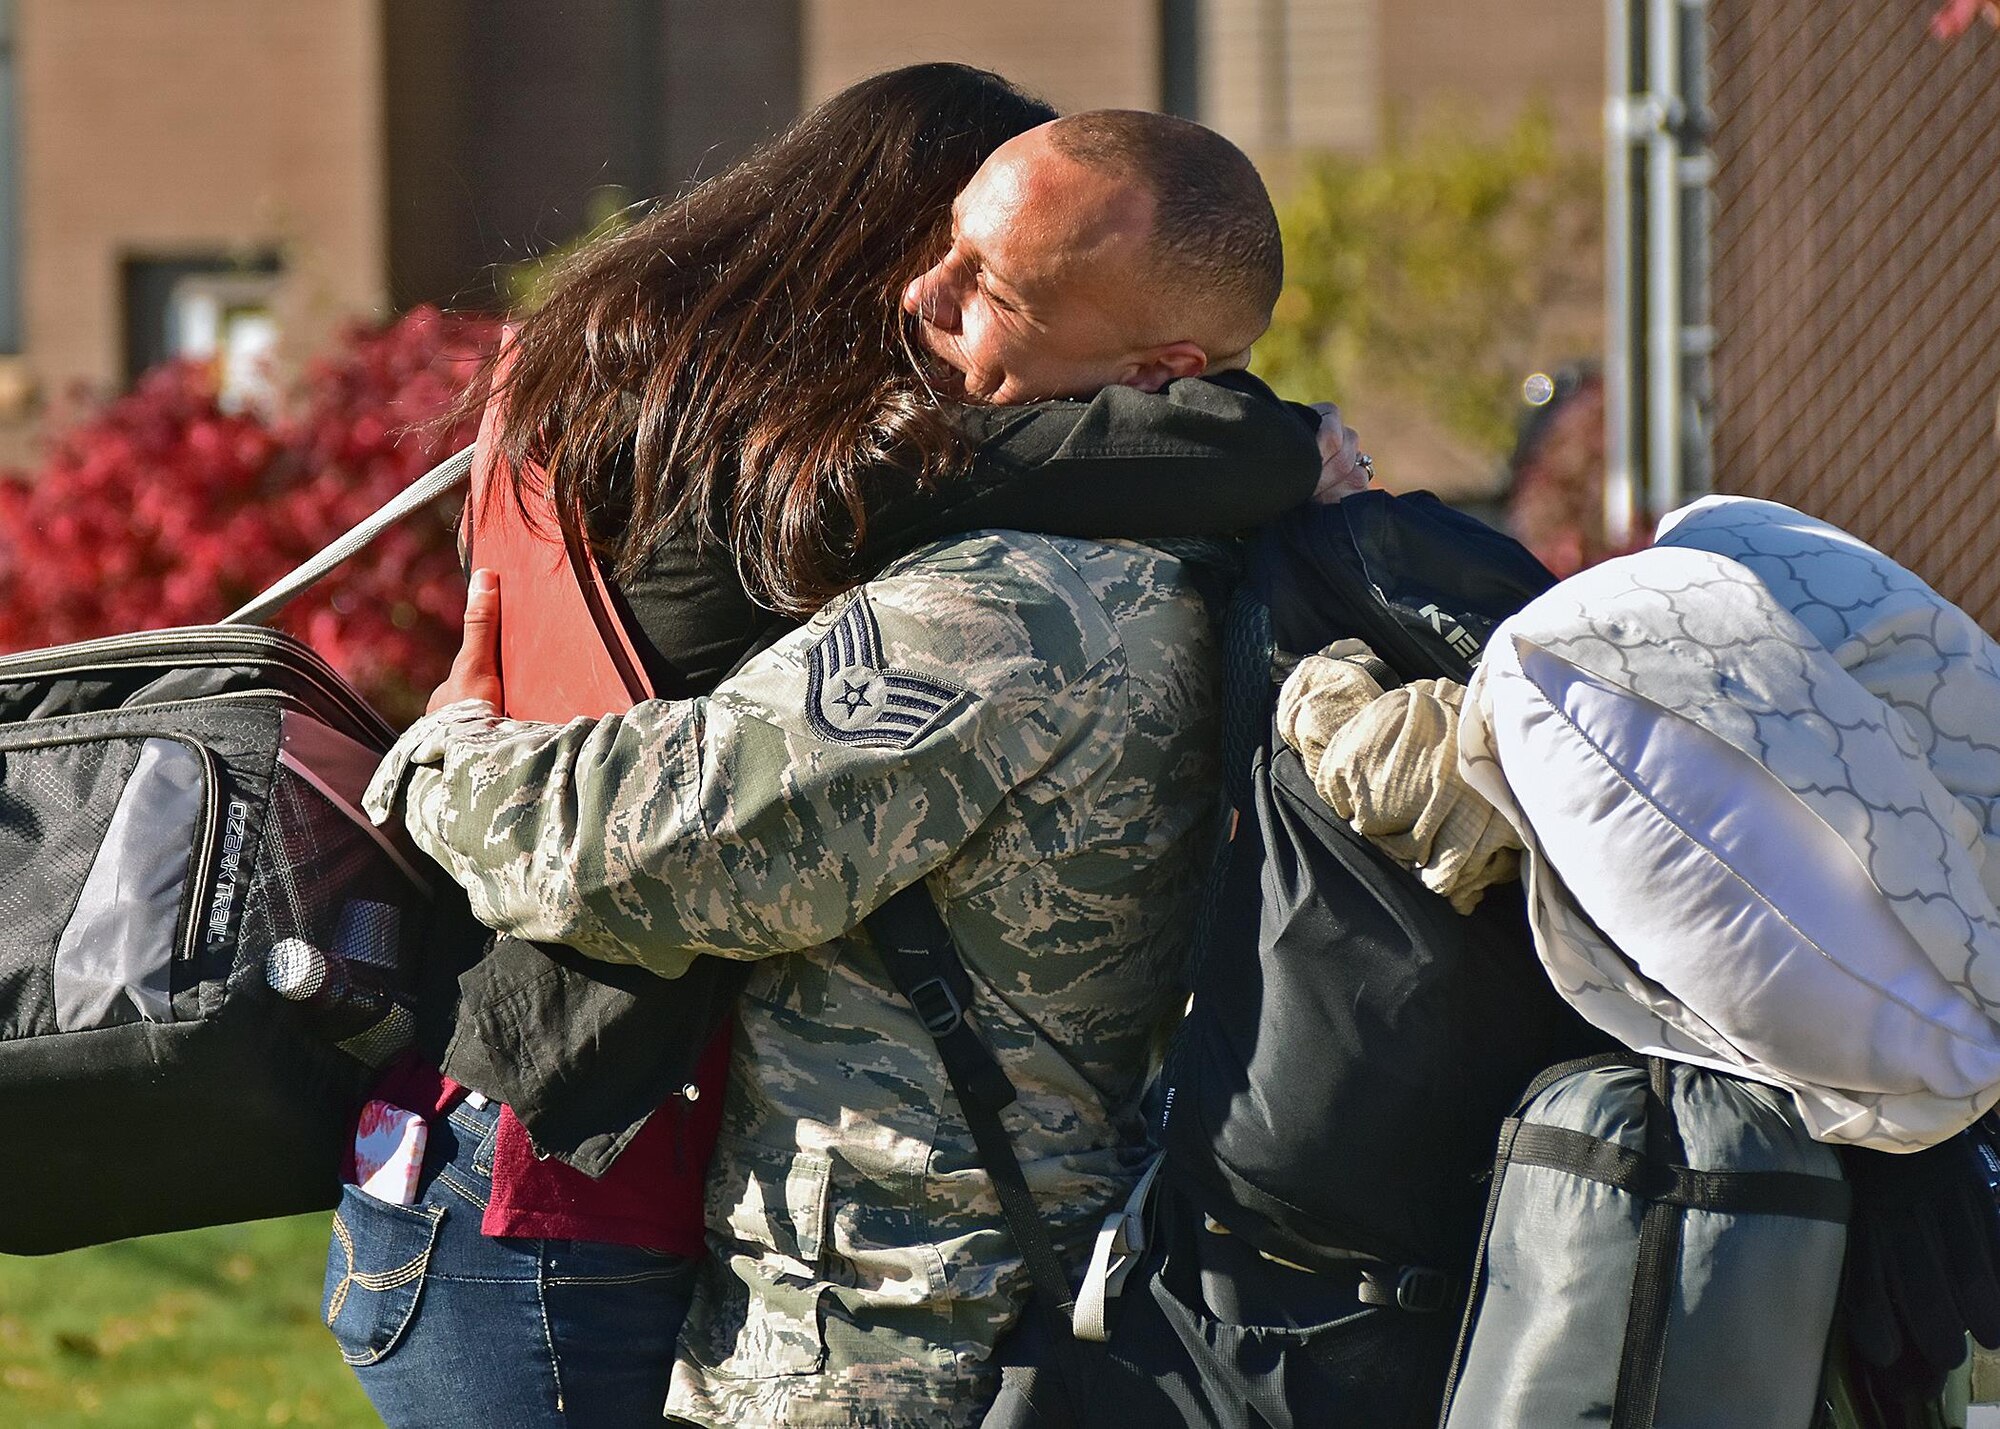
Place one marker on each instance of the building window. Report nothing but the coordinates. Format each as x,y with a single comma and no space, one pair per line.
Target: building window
10,163
219,310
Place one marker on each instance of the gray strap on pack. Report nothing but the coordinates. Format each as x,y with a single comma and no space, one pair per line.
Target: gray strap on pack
1121,1240
441,479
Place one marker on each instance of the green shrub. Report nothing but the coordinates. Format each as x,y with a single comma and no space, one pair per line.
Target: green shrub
1441,271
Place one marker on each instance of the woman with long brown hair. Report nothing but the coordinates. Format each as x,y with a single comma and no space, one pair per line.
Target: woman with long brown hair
729,413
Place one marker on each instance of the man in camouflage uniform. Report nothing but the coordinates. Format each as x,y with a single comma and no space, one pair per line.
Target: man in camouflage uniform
1025,723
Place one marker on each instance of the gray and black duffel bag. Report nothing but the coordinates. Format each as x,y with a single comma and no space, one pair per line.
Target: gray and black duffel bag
206,950
1663,1247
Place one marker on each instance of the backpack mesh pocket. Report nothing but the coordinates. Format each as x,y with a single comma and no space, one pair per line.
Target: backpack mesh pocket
54,810
331,916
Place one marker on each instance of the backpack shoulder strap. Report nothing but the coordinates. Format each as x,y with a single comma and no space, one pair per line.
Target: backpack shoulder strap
566,646
921,959
441,479
1248,695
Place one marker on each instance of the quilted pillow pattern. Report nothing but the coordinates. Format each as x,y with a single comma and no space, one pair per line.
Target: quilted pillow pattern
1756,786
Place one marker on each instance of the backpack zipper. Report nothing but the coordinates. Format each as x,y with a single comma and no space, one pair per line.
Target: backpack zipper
265,648
205,855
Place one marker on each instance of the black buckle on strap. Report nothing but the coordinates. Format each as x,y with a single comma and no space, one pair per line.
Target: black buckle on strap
1416,1289
1421,1290
937,1007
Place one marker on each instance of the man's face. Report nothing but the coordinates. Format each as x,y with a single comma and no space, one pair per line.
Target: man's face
1038,295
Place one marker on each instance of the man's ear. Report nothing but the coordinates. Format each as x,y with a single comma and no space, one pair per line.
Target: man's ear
1154,369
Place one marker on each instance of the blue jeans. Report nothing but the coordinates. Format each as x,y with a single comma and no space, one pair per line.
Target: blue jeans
446,1326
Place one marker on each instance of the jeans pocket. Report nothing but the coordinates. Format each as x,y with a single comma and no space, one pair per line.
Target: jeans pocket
375,1272
462,1151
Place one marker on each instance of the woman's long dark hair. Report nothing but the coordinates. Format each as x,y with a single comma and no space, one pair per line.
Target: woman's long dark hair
738,359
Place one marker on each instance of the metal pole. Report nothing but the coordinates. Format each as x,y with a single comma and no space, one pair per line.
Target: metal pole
1697,172
1620,446
1663,263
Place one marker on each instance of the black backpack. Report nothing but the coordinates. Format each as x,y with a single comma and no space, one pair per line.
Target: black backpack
206,950
1331,1100
1354,1043
1353,1051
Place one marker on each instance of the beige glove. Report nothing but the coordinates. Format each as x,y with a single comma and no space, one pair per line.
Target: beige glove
1387,763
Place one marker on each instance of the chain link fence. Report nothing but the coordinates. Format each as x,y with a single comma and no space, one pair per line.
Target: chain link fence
1857,277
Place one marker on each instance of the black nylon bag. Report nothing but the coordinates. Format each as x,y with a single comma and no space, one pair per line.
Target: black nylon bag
178,822
1333,1095
1353,1043
1176,1358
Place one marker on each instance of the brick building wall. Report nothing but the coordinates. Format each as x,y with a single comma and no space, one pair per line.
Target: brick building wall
511,125
732,74
175,130
1272,74
1102,55
351,157
385,152
1303,74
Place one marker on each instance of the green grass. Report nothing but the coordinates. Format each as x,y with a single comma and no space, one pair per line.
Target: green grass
204,1330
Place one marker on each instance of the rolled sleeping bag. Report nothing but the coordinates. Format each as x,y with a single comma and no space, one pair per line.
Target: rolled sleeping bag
1738,854
1632,1250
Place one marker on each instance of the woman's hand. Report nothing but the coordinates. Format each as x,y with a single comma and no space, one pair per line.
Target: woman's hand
475,672
1343,470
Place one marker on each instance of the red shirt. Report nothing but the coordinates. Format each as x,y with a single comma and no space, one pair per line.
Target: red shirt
651,1196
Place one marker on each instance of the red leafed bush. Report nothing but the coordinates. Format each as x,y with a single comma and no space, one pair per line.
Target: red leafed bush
160,508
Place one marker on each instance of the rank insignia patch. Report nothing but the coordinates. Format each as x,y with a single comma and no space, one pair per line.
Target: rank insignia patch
852,699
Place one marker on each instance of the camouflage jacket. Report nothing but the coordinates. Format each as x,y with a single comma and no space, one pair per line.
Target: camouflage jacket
1028,723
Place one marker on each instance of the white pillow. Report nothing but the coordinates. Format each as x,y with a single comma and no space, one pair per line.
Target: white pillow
1906,644
1737,855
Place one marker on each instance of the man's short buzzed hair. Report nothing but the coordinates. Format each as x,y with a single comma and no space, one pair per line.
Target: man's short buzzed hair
1212,217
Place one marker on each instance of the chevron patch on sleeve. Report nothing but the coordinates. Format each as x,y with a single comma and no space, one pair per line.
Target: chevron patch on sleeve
852,699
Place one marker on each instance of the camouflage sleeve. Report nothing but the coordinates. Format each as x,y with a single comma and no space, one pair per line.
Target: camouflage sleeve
849,760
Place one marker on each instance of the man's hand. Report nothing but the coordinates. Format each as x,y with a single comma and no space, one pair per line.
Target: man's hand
1342,469
475,673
